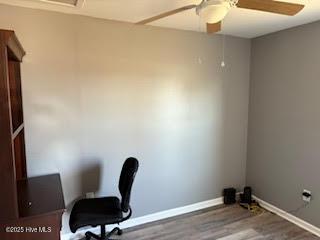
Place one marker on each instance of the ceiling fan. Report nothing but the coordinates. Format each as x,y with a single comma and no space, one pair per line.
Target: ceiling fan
214,11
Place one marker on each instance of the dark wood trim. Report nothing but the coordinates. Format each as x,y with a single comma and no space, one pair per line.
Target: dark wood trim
8,202
15,94
16,132
20,156
16,50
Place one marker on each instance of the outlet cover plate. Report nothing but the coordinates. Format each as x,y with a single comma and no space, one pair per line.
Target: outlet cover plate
90,195
304,198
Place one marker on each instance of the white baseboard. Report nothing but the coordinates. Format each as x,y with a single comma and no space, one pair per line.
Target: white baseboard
149,218
297,221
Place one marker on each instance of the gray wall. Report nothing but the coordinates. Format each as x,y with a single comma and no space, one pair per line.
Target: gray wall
284,119
96,92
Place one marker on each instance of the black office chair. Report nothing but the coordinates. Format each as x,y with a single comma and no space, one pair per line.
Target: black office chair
106,210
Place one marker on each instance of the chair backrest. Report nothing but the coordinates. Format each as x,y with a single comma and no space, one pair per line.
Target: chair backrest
128,173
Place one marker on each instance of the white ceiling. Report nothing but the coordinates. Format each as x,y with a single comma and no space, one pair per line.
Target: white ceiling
239,22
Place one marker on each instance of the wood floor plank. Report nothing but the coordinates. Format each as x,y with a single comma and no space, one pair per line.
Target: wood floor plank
219,223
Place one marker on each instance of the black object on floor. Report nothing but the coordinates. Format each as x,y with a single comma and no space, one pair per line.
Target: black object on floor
246,196
107,210
229,196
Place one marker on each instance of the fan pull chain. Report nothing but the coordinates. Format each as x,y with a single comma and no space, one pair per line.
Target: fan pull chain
223,64
199,30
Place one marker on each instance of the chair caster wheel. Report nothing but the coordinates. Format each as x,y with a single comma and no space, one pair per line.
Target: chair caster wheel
119,232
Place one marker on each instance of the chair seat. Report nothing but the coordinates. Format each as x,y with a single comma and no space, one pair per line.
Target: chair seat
94,212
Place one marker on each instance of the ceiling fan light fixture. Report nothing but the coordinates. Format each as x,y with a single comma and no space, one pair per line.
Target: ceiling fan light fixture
213,11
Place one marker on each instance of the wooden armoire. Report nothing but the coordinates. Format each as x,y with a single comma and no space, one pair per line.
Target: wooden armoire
30,208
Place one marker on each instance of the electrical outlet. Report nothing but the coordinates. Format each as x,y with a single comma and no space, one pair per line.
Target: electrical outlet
90,195
306,195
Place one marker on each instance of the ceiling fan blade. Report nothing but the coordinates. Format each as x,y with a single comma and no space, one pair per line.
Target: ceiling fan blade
284,8
213,27
166,14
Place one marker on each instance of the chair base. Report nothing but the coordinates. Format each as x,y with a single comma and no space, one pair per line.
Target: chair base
103,235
